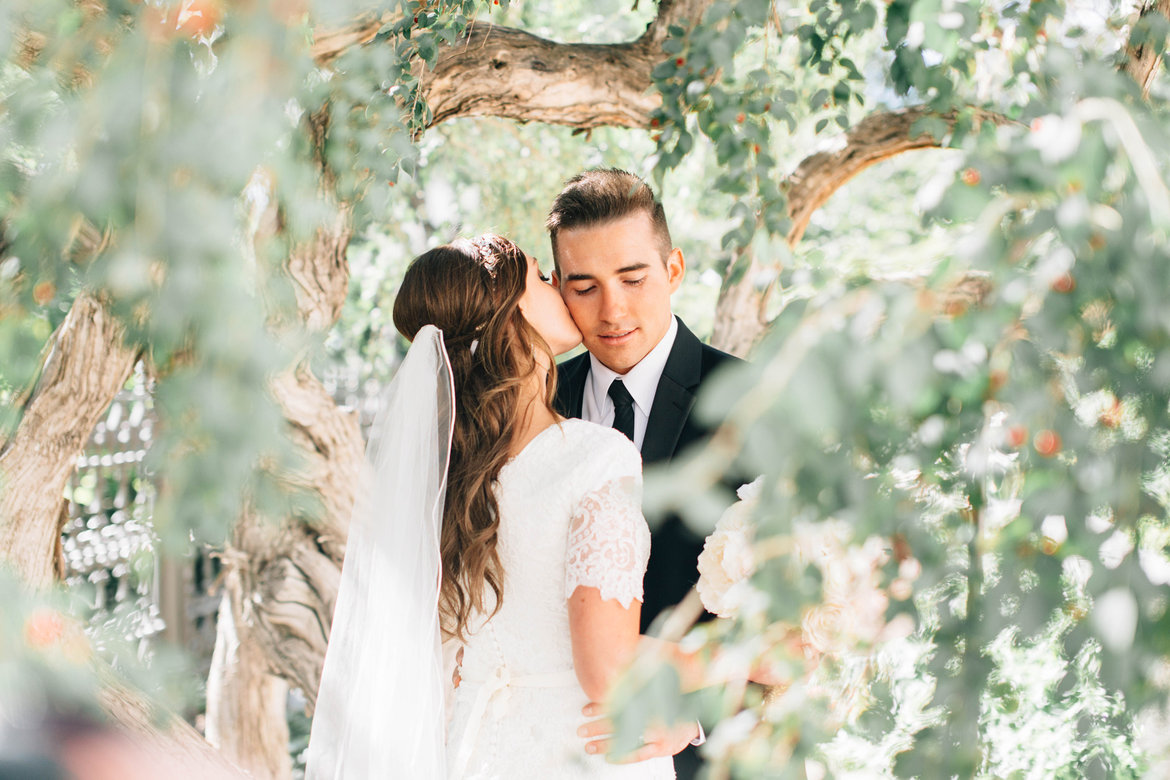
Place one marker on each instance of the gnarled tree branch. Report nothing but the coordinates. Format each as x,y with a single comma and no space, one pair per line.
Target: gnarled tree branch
502,72
740,317
509,73
86,366
498,71
329,44
878,137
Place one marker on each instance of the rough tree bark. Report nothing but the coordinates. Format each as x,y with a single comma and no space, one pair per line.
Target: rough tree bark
245,702
741,310
85,367
1144,60
170,738
501,72
508,73
878,137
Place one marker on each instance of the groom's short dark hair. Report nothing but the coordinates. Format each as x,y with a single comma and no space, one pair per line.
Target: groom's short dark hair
601,195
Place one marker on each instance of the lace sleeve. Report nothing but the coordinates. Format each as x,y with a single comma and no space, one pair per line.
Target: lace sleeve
609,542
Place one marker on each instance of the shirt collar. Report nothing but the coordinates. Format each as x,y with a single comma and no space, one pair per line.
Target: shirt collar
641,380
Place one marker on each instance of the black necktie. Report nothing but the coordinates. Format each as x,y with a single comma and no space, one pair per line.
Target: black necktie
623,408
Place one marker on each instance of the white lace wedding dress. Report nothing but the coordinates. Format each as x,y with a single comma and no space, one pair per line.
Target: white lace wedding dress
570,514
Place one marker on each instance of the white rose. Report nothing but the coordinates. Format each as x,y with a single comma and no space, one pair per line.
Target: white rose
820,629
728,559
751,491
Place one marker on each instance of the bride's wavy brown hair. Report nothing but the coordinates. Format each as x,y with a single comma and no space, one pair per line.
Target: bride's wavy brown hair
471,289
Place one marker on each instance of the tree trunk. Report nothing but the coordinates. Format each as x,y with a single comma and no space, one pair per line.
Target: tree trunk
1144,59
172,739
740,315
246,704
290,571
86,366
283,573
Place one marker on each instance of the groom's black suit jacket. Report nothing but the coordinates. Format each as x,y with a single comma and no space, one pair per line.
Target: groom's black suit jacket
674,548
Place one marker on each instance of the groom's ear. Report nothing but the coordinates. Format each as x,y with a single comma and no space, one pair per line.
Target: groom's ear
556,280
676,267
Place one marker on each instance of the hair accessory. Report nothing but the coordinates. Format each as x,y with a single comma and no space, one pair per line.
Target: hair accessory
487,254
474,345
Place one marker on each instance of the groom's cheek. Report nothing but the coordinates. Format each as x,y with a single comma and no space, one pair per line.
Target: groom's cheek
582,316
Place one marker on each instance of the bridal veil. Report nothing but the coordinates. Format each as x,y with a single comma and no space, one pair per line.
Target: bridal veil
380,707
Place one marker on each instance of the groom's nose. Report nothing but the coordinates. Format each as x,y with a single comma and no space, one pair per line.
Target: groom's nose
613,305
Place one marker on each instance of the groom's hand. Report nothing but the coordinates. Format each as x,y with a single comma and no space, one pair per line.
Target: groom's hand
657,742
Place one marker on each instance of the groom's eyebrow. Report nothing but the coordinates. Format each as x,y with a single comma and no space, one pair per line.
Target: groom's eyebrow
626,269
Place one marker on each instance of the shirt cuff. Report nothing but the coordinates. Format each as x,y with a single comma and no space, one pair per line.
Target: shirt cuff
699,740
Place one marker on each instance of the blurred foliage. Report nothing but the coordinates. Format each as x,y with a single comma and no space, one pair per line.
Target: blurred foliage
1010,452
51,645
1012,448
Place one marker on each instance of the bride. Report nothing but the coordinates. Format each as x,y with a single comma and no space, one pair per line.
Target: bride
493,576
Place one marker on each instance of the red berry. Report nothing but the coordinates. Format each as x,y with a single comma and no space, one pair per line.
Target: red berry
1016,436
44,292
1047,443
1065,283
43,628
680,62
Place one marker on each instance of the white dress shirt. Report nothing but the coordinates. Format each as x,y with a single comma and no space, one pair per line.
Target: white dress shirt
641,381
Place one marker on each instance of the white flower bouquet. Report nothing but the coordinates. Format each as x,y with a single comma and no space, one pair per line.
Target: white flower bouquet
852,612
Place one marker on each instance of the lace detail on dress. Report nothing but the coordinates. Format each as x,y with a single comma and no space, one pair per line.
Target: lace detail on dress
609,542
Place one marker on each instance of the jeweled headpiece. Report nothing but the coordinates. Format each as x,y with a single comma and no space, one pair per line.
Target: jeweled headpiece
485,247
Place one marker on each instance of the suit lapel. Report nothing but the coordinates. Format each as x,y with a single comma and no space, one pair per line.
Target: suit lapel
571,376
674,398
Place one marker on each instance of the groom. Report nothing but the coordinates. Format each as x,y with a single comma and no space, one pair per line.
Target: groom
616,268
